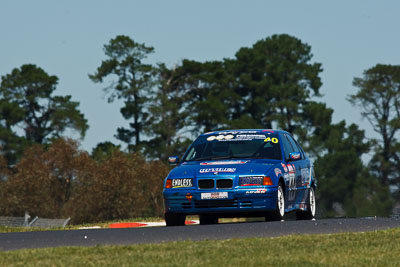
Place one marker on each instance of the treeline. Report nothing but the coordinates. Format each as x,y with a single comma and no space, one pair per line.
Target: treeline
273,84
60,181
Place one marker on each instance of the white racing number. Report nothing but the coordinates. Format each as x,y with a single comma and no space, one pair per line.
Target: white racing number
292,183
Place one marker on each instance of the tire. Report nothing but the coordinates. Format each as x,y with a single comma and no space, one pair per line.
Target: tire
279,213
173,219
208,219
309,214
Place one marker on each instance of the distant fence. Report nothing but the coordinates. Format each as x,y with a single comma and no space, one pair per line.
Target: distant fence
36,222
14,221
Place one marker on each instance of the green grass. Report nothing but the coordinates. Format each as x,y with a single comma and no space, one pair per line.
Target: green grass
10,229
379,248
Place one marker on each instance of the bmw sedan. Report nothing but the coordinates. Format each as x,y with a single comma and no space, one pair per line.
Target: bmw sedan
240,173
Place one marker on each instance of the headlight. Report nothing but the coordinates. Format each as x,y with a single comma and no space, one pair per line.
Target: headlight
254,180
250,180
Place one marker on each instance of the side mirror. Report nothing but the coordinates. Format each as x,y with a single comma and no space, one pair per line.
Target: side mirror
293,156
173,160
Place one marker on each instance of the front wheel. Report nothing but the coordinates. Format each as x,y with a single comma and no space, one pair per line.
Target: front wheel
308,214
172,219
279,213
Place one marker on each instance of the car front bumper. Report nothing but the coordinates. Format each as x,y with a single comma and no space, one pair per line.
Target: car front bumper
249,201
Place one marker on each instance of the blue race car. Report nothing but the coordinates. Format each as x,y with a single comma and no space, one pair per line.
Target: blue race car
240,173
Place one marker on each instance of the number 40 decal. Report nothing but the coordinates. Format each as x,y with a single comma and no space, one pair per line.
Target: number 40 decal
273,140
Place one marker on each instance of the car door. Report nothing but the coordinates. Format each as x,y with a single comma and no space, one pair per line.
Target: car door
302,172
291,182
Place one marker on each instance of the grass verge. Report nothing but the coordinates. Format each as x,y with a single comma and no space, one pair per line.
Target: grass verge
379,248
9,229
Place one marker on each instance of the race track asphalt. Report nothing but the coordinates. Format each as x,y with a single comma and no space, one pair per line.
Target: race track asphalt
126,236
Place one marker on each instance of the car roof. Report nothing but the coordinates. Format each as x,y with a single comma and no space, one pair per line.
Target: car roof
245,131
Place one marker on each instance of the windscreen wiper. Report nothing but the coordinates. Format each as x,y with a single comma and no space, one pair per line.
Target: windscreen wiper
221,157
203,158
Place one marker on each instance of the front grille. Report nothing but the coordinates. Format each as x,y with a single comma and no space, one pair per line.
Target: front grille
246,204
216,204
206,183
224,183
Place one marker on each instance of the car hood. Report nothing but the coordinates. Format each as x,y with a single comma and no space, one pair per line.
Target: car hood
232,167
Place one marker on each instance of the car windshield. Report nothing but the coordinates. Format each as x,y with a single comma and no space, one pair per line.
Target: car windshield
228,145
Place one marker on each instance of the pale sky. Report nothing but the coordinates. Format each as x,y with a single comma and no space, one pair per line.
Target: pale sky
66,39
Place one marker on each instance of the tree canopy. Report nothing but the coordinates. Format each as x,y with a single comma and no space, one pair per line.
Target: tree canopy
131,80
30,113
277,79
379,99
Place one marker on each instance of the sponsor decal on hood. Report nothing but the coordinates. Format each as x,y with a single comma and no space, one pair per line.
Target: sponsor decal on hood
207,170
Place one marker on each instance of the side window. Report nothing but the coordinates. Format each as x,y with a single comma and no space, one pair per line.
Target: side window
301,149
295,145
287,146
